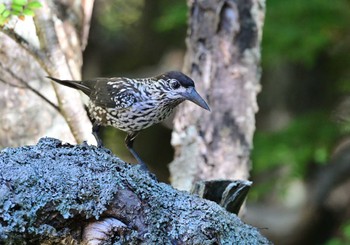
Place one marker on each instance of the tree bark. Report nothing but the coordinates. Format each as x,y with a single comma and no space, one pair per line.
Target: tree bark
51,44
55,193
223,56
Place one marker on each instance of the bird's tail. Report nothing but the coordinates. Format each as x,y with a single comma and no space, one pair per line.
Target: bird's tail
73,84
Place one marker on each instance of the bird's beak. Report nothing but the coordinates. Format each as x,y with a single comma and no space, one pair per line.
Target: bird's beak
192,95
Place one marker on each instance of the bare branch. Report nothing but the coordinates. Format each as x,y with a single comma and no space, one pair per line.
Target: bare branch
37,54
26,85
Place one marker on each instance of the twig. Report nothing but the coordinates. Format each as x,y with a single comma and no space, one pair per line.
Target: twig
26,85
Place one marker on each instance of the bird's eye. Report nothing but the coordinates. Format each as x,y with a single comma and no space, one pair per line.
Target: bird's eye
175,84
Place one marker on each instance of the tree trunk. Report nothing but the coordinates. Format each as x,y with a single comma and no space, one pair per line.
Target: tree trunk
223,55
51,44
52,193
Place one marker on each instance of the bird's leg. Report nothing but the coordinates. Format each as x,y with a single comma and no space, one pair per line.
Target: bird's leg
95,129
129,142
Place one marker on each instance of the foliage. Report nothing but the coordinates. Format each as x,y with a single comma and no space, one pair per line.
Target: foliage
296,31
142,37
344,237
119,15
312,38
299,30
19,8
307,139
171,17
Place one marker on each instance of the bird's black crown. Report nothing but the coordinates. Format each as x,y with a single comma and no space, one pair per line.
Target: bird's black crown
184,80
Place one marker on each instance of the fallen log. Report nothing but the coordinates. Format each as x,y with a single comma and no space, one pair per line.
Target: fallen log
79,194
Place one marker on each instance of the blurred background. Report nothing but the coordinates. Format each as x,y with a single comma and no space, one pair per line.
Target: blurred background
301,155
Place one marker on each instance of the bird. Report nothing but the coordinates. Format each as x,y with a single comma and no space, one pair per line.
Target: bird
132,105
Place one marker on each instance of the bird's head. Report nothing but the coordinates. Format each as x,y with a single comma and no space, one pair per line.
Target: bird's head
181,87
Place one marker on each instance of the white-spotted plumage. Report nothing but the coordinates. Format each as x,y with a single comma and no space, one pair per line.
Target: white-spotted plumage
135,104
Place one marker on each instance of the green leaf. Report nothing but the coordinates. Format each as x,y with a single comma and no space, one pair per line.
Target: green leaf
172,17
28,12
16,7
2,20
2,8
19,2
15,12
34,5
6,13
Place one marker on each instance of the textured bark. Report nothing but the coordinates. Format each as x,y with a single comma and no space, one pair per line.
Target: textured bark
228,194
50,44
223,55
63,194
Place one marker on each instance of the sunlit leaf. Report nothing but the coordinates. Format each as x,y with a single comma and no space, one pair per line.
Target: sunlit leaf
34,5
17,8
6,13
28,12
2,7
19,2
15,12
2,20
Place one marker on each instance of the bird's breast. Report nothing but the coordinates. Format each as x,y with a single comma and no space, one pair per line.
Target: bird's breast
138,116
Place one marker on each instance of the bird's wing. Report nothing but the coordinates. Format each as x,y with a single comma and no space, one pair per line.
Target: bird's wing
113,93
